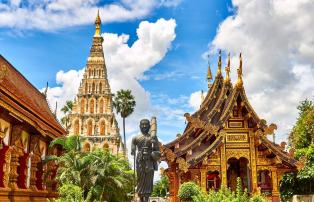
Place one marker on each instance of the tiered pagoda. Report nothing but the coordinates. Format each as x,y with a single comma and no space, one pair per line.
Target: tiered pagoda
92,115
27,126
225,139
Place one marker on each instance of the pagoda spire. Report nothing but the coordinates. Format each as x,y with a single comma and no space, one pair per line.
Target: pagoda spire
97,24
239,70
227,69
209,73
219,65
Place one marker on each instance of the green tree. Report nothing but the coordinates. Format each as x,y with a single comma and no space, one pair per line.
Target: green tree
124,103
301,138
188,190
66,109
302,134
100,175
160,188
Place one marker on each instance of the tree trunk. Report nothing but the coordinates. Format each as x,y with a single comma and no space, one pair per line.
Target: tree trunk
124,136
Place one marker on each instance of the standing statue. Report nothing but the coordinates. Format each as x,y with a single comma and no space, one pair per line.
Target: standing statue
147,157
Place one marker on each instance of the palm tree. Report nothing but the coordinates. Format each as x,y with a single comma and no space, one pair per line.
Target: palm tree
66,109
100,175
124,103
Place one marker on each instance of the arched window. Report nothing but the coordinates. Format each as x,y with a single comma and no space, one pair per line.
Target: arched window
93,87
102,128
76,127
91,106
82,105
89,128
100,88
101,105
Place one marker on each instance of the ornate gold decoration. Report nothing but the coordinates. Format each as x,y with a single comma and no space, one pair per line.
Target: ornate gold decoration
238,153
270,129
97,25
197,123
235,124
3,131
240,73
237,137
6,167
3,72
183,165
227,80
219,65
167,153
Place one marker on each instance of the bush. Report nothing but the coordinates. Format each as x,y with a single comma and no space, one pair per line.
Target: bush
188,190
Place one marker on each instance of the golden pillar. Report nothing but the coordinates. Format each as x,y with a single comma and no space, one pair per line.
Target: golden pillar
203,179
253,162
223,165
274,178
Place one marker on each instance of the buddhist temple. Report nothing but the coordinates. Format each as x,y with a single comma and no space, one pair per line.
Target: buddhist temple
225,139
92,116
27,126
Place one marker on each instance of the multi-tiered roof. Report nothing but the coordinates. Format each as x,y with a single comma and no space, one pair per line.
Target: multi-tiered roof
203,134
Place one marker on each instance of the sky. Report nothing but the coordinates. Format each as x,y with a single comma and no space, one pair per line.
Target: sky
159,49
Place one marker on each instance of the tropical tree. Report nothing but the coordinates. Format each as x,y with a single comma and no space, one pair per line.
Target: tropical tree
160,188
97,175
124,103
66,109
301,138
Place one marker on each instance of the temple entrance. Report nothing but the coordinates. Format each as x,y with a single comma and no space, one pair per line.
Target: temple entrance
238,168
213,180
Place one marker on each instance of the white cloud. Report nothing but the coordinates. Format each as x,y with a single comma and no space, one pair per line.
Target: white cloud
56,14
276,39
195,99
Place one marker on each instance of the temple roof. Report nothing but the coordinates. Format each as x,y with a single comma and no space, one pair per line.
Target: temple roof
25,101
202,136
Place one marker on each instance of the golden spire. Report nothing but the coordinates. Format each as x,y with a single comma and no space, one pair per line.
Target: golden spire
209,72
239,70
97,24
202,97
219,65
228,70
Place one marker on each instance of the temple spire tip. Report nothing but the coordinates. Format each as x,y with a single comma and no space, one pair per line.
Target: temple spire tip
227,69
97,24
240,73
219,65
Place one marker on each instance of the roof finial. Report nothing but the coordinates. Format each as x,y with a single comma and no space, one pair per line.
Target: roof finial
55,113
45,92
219,65
97,24
209,73
227,69
239,70
202,97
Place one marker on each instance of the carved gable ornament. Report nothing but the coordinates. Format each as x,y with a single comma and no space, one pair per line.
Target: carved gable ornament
3,72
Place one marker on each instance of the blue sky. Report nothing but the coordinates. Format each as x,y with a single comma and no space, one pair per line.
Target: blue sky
51,42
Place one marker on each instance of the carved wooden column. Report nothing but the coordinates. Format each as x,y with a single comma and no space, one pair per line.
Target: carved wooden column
173,183
253,162
274,178
34,162
203,179
16,153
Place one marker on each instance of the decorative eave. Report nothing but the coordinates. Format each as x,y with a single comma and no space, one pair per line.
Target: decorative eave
278,152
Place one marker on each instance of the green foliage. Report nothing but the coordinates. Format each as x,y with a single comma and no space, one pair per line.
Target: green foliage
302,134
160,188
301,138
226,195
124,103
66,109
187,190
100,175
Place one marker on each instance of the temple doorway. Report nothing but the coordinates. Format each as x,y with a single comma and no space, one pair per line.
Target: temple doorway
238,168
213,180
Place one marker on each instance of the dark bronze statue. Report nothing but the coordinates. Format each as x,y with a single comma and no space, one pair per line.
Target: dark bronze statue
147,157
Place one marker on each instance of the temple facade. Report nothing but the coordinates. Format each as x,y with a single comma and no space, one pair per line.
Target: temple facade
225,139
27,126
92,116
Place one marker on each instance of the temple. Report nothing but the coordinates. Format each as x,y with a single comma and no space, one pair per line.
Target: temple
27,126
225,139
92,116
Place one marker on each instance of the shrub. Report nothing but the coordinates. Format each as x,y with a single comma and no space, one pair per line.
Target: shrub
188,190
